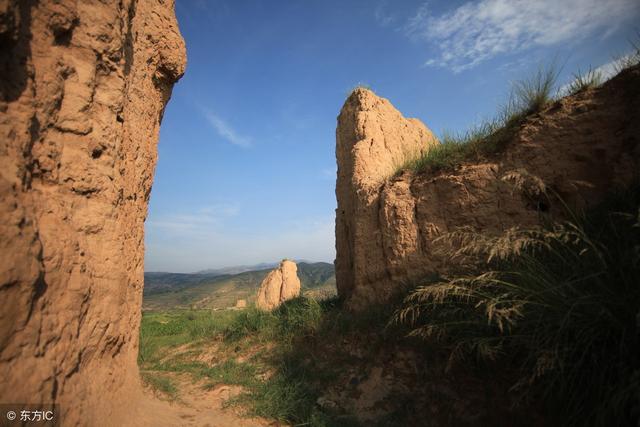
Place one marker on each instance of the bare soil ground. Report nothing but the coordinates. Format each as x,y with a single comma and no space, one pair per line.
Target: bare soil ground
196,406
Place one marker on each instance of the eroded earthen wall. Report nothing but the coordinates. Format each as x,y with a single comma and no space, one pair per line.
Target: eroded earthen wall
83,89
582,147
372,141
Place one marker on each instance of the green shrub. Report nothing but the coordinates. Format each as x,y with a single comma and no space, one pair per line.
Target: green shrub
563,302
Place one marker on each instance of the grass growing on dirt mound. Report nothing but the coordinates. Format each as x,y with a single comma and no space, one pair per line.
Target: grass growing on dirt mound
283,359
527,97
562,303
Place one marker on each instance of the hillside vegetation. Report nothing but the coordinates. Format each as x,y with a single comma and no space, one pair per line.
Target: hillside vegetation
164,291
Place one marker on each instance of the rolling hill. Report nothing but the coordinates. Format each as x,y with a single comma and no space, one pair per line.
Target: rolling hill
211,289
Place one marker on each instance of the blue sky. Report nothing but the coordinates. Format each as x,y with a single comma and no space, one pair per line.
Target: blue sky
246,169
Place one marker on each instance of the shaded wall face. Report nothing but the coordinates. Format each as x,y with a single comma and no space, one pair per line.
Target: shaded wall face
84,85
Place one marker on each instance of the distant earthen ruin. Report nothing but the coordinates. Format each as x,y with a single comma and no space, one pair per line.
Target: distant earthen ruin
280,285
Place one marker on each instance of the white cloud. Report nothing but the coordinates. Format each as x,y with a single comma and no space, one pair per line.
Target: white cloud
478,31
225,130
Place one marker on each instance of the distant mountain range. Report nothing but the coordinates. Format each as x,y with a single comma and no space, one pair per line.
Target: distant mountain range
239,269
242,268
220,288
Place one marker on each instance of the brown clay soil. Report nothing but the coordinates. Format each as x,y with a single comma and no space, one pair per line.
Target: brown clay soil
195,406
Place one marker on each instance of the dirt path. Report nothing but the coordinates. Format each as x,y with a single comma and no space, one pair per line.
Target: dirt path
195,406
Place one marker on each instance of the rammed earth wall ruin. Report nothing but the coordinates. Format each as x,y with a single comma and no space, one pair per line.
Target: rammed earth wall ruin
83,89
582,147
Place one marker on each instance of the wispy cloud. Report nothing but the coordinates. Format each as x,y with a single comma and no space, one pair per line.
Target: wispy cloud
382,16
197,223
186,243
225,130
478,31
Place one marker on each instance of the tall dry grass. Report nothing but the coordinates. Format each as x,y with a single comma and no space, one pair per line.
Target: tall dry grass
561,302
527,96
